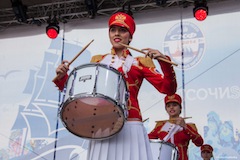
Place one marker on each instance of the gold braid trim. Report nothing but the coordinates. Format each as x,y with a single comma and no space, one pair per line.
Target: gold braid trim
97,58
134,108
136,84
193,126
121,22
159,123
146,61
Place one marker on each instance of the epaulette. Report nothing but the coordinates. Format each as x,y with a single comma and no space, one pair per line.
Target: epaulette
192,125
97,58
159,123
146,61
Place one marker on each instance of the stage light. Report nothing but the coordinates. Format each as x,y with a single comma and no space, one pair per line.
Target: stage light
200,11
161,2
127,9
52,29
19,10
91,7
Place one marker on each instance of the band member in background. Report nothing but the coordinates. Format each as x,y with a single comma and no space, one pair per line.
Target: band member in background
132,142
176,130
206,152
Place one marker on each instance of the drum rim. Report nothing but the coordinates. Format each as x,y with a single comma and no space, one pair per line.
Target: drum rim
175,151
102,65
163,142
98,64
90,138
94,64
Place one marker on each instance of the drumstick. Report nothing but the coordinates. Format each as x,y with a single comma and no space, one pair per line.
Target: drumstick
159,58
172,119
145,120
79,53
83,49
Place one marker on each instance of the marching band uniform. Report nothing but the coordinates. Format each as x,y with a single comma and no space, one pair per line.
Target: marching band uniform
131,143
175,134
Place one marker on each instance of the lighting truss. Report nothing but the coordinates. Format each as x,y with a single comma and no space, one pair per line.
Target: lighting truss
69,10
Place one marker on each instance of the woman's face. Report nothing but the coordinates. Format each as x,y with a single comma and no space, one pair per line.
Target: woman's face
206,155
173,109
119,34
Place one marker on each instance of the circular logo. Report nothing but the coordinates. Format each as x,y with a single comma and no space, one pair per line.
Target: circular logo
185,45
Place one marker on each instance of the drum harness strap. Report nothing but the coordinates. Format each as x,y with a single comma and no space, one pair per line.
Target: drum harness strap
171,129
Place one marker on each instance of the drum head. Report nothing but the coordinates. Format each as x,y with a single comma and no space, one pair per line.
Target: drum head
92,117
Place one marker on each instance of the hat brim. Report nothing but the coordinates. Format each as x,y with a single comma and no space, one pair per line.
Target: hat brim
119,25
206,150
176,101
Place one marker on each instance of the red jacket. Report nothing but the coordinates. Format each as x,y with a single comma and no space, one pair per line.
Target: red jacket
143,68
181,138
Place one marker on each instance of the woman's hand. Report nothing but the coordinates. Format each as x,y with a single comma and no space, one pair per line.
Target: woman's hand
153,53
62,69
181,122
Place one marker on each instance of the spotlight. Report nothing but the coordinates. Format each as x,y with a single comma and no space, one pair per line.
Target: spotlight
91,7
127,10
19,10
200,11
52,29
161,2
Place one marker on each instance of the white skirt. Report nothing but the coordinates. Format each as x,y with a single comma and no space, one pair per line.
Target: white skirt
131,143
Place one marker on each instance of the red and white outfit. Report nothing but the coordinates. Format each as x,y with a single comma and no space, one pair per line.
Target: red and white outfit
132,142
172,133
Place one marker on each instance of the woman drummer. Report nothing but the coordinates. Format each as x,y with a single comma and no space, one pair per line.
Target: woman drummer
131,143
176,130
206,152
